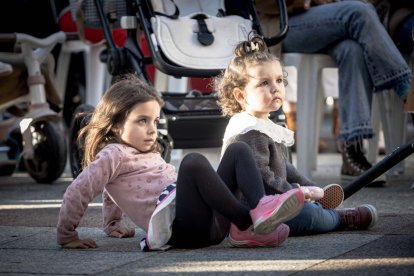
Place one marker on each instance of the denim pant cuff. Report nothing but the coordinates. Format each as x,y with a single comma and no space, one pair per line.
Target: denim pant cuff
401,86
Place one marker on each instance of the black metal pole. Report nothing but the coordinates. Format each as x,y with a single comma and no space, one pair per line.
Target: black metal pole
105,27
385,164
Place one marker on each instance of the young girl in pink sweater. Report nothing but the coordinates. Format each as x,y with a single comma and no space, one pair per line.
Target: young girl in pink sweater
192,208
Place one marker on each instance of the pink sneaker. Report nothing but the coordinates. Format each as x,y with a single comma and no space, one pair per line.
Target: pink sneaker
273,210
248,238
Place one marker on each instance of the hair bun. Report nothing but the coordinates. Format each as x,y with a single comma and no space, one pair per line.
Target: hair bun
255,43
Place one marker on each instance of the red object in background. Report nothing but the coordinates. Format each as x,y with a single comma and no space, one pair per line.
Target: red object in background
67,25
146,52
204,85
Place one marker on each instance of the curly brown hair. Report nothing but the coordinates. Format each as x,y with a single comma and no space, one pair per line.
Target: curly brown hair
113,109
251,52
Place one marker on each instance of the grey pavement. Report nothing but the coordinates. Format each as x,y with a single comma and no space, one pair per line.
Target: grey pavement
29,212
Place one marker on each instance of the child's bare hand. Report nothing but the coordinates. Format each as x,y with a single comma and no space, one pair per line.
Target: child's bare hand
307,193
80,244
122,232
308,197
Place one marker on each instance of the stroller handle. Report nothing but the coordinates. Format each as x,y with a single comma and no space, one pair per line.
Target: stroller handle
283,24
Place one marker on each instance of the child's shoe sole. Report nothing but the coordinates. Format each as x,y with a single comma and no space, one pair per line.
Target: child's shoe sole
282,233
287,210
333,196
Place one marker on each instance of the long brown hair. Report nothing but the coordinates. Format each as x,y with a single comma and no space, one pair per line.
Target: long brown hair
113,109
251,52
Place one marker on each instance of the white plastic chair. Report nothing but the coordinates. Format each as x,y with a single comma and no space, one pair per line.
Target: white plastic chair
96,73
310,98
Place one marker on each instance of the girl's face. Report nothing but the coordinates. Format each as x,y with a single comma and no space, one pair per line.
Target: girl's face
140,127
265,90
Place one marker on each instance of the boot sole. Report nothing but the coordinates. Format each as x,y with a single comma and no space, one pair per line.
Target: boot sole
289,209
333,196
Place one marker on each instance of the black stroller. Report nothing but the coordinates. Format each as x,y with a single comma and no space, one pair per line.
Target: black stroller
189,120
201,123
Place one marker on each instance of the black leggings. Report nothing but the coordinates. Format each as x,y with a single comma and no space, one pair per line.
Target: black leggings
207,200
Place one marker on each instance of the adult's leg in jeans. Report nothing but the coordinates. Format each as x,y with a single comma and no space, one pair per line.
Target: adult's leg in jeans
323,26
205,204
313,219
355,91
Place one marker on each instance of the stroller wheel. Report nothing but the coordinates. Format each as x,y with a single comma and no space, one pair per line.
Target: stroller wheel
49,146
165,141
80,118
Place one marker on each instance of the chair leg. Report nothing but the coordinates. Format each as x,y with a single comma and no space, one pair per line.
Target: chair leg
305,118
95,75
309,106
393,122
372,152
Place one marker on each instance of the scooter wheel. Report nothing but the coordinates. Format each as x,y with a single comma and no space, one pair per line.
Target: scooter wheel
49,152
165,142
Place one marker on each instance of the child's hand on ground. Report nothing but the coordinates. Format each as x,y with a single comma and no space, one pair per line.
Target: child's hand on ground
80,244
122,232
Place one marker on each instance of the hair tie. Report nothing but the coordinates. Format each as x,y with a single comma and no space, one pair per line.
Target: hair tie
254,46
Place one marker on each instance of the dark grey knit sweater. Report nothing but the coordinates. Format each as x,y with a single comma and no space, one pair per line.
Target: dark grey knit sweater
278,173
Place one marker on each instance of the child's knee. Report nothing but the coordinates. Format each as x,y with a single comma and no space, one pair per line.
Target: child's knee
239,148
193,161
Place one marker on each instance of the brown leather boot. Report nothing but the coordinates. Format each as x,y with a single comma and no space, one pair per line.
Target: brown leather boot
291,120
354,162
361,217
291,123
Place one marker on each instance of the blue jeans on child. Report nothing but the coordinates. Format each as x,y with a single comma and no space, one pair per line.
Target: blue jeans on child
313,219
368,60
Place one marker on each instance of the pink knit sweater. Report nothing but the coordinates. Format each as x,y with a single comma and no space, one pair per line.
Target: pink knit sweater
128,178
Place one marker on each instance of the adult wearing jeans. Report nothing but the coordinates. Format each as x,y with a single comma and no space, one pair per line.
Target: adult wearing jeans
397,16
368,62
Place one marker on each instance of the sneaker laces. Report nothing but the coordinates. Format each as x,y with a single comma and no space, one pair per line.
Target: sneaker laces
351,218
362,160
356,154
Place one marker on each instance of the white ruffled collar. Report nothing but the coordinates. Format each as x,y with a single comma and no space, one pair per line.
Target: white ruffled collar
243,122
